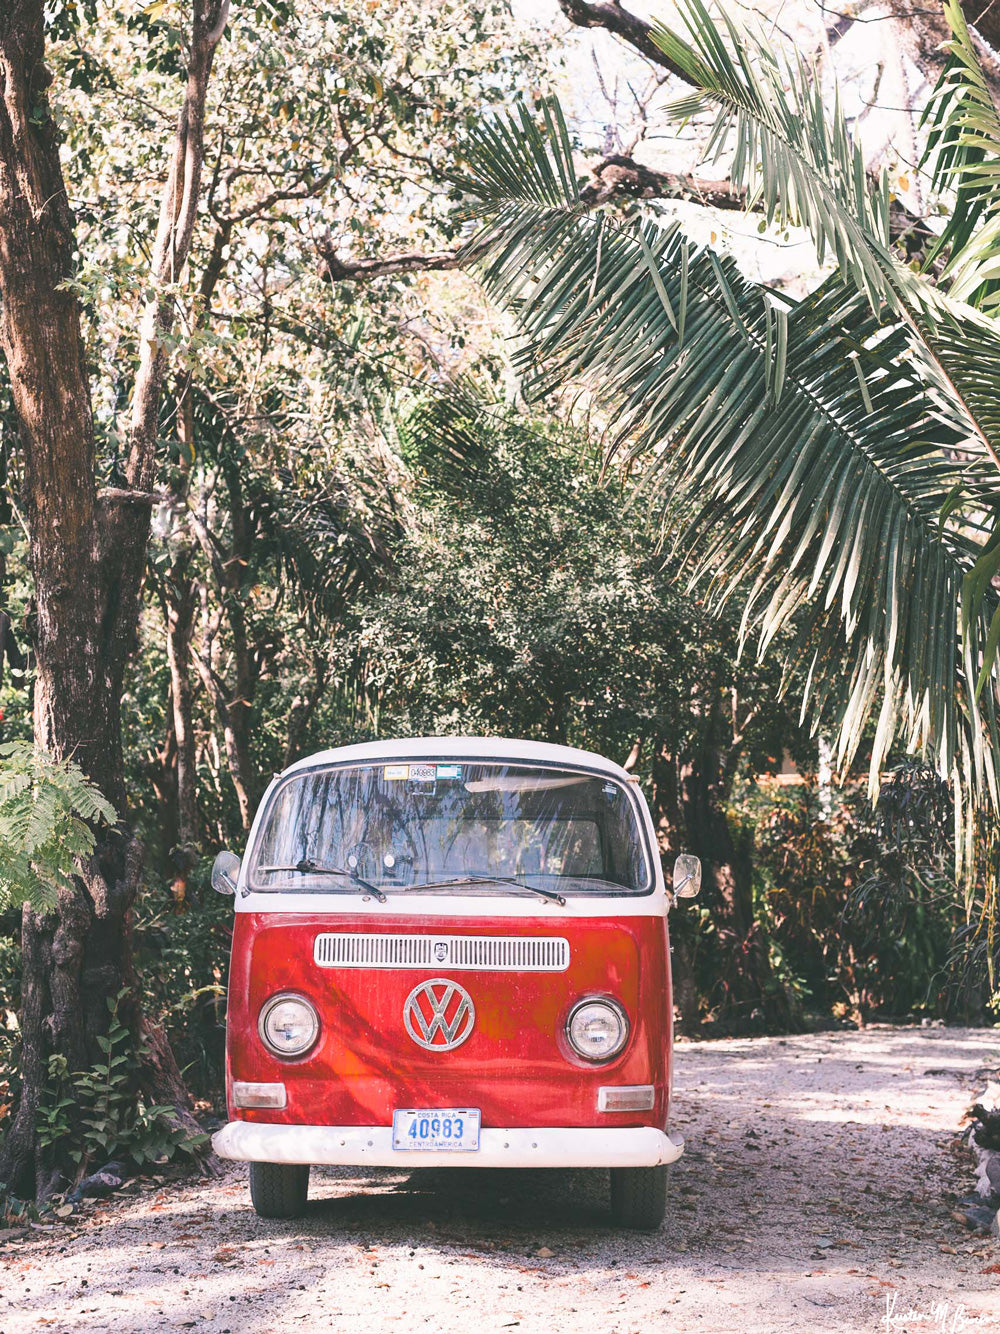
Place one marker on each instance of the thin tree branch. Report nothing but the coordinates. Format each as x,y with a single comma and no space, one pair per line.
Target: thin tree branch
178,213
336,270
610,15
615,179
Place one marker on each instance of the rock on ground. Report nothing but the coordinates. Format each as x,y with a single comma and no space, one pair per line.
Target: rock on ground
815,1194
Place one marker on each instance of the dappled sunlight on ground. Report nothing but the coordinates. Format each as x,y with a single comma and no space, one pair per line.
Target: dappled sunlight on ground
815,1187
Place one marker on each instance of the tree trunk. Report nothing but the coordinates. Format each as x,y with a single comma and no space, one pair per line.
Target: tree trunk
86,555
74,957
233,712
233,702
179,609
161,766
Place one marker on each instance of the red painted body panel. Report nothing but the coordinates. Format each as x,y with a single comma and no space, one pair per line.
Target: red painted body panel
516,1067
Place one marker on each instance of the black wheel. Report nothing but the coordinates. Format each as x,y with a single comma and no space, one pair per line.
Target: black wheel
639,1197
279,1190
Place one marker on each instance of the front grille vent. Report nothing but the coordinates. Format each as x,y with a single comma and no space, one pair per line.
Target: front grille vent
491,954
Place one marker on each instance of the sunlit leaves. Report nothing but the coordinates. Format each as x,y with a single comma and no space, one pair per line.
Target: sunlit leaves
797,157
47,813
964,148
812,458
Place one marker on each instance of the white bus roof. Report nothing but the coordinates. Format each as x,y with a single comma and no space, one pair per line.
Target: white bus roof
498,749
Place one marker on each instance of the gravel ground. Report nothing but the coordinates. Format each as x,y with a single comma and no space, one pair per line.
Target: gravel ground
815,1194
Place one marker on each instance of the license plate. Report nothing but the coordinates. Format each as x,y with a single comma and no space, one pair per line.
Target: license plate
454,1129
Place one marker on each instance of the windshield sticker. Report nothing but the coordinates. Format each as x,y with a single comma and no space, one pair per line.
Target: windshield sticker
423,773
395,771
449,771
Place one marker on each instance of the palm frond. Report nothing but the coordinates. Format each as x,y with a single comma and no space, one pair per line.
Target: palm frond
797,157
326,533
449,436
963,146
815,464
319,533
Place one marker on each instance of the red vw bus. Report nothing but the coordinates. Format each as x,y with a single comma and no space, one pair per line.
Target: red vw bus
451,952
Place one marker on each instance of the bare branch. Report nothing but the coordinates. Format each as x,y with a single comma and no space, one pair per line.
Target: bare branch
615,179
984,15
178,213
119,495
610,15
335,270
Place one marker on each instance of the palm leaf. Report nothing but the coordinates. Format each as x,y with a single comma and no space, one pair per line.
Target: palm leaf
797,158
318,532
964,147
815,464
450,437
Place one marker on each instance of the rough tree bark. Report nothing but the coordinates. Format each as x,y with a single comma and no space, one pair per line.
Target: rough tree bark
87,551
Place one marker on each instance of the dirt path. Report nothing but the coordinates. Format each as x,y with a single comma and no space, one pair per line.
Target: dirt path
815,1189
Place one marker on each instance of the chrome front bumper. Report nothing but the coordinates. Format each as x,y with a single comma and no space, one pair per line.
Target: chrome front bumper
357,1146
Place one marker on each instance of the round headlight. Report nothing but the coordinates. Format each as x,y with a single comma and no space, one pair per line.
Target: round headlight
288,1025
597,1029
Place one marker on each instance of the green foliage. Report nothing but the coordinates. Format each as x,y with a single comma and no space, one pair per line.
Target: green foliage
963,147
10,978
796,154
99,1111
530,601
47,808
828,456
859,903
182,960
798,439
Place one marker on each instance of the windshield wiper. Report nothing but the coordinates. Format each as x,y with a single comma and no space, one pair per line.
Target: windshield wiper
547,894
307,867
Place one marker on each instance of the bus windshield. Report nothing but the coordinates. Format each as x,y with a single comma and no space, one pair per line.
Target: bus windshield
443,824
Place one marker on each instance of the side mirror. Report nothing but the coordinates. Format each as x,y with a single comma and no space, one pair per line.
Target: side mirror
687,876
225,872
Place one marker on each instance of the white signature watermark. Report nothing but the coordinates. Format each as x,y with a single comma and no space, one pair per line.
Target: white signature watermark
941,1317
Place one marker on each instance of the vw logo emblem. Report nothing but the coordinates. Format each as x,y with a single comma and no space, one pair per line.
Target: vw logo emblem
439,1014
440,950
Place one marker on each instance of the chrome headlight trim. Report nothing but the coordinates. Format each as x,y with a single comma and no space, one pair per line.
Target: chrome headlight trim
265,1012
620,1014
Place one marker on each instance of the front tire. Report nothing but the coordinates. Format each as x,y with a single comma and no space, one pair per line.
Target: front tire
279,1190
639,1197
